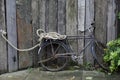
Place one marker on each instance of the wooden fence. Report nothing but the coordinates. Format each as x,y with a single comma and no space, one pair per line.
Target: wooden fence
21,19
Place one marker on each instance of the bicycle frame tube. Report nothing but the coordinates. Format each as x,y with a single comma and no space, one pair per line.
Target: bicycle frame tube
78,37
90,37
88,44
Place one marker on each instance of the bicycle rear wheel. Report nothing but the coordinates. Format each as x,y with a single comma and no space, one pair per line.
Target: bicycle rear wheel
97,49
47,55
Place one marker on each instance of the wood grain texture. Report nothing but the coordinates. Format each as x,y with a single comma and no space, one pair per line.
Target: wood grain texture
71,22
38,16
117,19
89,19
61,16
35,25
81,15
12,34
24,29
111,15
101,20
3,49
51,15
81,26
42,14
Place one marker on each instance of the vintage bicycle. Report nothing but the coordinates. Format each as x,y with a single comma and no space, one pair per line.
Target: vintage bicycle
54,54
55,51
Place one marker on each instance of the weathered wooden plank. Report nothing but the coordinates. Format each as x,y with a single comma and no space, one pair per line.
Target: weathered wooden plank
71,21
12,34
24,30
81,26
38,16
81,15
111,15
117,19
3,49
89,19
35,25
101,20
42,14
61,16
51,15
71,17
35,19
46,15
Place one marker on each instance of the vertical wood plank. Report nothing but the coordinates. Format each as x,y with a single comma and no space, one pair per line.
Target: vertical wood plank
35,18
71,21
42,14
3,49
61,16
117,20
81,26
71,17
101,20
81,15
38,16
24,29
12,34
46,15
89,13
51,15
111,28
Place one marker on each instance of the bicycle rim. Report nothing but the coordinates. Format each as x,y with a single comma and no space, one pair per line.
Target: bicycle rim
98,54
49,51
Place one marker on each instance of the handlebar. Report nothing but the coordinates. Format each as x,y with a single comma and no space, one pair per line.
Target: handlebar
90,29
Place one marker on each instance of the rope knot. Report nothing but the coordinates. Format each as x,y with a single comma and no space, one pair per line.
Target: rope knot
3,32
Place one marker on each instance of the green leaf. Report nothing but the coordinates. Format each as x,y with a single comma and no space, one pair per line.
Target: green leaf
106,58
118,62
113,55
118,15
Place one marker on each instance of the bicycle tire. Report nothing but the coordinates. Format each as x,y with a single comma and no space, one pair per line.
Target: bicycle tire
55,63
97,50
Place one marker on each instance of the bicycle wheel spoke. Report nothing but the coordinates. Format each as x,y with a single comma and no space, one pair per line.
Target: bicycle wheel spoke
52,48
49,60
57,49
45,60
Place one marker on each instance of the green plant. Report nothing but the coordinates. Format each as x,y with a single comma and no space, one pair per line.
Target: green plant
112,54
118,15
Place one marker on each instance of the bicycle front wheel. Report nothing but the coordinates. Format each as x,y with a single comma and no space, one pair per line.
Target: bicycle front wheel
48,55
97,49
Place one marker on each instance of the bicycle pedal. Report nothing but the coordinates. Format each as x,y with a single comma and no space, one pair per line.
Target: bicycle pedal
74,58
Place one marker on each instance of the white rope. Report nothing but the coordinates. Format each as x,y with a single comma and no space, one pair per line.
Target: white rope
16,47
41,33
3,35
